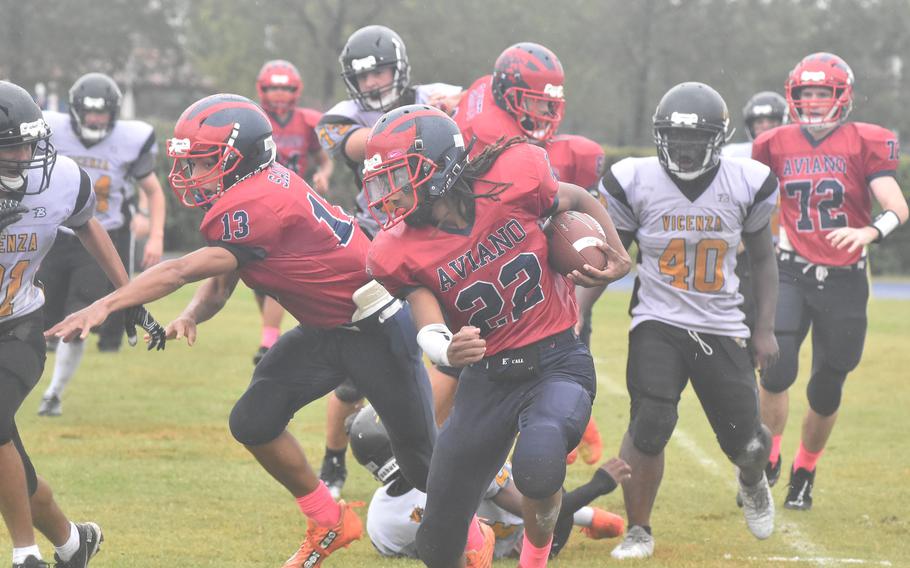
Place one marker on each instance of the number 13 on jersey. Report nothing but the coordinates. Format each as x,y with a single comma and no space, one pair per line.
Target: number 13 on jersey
707,265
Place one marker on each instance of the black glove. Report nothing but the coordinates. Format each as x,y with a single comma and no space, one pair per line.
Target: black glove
10,212
140,316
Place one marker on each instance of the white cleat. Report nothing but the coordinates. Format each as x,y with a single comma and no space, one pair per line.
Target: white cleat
758,507
636,544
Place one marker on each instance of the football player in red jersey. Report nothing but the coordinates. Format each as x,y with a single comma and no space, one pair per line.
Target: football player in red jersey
828,169
266,226
470,252
524,96
293,128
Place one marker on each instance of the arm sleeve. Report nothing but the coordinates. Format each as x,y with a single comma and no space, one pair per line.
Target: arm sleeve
333,131
618,205
881,152
144,164
547,185
763,205
84,208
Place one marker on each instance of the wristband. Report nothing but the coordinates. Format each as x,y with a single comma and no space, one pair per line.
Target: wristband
434,339
885,222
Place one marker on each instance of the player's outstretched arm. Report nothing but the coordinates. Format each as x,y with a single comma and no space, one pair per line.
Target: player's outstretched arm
156,282
760,247
574,198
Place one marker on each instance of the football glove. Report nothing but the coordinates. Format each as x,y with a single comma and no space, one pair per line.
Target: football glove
140,316
10,212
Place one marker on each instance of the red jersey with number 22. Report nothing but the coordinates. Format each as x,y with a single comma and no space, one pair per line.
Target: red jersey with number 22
494,274
824,185
291,244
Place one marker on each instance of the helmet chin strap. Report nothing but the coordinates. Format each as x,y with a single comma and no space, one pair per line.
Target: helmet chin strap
93,134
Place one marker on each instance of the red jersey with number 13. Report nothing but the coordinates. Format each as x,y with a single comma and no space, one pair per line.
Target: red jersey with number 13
291,244
494,274
824,184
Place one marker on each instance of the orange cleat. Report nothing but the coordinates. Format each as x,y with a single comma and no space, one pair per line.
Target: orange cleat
573,455
591,447
604,525
482,558
320,542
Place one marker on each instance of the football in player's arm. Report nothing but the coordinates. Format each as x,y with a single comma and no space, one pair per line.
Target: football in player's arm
462,243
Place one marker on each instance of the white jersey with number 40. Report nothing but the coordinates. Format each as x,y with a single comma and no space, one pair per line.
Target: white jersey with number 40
687,241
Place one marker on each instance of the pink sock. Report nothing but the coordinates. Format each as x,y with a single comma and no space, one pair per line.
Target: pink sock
269,336
805,459
532,556
775,448
475,536
320,506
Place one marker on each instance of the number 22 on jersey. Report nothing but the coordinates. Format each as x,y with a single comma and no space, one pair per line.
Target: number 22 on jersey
708,266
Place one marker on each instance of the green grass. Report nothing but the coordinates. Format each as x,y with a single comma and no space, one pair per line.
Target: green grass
144,449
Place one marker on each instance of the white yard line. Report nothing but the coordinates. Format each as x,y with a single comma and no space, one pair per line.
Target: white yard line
787,531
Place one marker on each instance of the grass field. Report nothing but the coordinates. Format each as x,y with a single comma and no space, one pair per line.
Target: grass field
143,448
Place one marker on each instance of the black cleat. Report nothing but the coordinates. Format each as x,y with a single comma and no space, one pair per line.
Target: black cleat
333,473
772,471
90,539
32,562
799,494
260,353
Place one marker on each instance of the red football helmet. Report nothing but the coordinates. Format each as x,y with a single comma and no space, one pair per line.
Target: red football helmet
821,70
279,86
228,137
528,83
414,155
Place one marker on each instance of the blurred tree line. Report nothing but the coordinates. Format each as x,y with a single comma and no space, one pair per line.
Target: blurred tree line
619,56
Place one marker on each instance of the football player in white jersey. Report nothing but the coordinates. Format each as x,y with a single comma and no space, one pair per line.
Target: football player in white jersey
688,208
377,76
39,193
114,153
396,508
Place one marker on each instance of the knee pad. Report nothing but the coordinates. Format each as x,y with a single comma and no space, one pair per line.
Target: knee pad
348,392
824,390
539,460
780,376
754,454
653,422
260,415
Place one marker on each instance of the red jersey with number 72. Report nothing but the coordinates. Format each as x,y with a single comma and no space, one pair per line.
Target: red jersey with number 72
493,275
291,244
824,184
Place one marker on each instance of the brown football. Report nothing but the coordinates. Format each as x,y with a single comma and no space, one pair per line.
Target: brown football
573,238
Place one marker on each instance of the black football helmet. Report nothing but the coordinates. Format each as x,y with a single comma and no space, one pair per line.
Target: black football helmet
416,150
371,446
369,49
766,104
94,92
229,130
22,127
691,124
